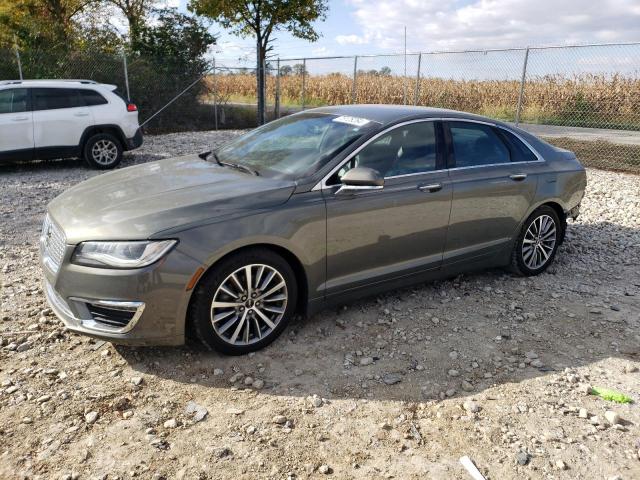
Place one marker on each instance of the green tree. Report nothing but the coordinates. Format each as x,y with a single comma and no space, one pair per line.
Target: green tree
300,69
40,23
168,56
175,40
136,12
260,19
285,70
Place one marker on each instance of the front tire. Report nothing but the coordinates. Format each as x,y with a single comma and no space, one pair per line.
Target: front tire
245,302
103,151
537,243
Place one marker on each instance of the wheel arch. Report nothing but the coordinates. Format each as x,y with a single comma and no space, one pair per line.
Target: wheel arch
285,253
114,130
562,215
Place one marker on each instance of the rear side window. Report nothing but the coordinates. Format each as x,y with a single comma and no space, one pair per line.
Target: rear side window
55,98
475,144
13,100
92,98
119,94
519,151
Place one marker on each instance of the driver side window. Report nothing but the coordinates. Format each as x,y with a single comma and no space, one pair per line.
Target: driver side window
404,150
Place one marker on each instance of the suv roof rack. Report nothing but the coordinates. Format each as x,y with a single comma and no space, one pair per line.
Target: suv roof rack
79,80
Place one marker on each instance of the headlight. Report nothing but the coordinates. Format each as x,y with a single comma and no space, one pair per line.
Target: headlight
121,254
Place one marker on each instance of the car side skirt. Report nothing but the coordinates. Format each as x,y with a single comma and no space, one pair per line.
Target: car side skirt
500,258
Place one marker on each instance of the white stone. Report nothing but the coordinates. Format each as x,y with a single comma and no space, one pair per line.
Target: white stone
171,423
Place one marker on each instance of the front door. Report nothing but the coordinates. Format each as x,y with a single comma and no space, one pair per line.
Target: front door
373,236
16,124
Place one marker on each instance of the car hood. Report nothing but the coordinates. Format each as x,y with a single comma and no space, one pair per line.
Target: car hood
137,202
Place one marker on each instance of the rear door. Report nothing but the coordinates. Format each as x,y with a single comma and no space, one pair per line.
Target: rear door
380,235
493,187
60,116
16,124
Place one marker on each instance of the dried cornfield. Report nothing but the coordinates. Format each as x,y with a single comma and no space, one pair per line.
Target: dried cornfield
604,101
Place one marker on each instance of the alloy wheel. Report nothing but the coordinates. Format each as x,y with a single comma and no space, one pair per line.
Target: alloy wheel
249,304
539,241
104,152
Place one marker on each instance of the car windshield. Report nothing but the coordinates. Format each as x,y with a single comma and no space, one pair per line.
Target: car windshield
295,146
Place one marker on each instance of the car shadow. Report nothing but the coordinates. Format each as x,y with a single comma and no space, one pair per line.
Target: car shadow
447,338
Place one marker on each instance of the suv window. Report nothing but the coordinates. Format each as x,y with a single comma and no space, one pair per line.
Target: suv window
55,98
475,144
519,151
92,98
13,100
404,150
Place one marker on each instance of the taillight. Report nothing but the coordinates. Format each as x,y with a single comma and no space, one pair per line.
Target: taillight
131,107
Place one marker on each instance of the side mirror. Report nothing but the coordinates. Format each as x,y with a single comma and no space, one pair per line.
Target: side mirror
360,179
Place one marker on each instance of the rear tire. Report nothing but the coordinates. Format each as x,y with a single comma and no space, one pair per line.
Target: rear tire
537,243
103,151
234,316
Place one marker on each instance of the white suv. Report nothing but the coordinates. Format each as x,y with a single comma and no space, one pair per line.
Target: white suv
41,119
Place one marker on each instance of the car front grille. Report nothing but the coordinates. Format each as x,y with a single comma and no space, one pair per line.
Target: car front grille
52,244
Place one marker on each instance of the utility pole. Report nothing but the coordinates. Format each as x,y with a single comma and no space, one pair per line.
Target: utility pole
15,44
404,94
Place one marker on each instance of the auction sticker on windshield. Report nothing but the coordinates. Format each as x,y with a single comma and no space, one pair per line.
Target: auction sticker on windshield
356,121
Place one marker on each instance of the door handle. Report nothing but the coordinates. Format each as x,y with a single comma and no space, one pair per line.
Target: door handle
431,187
518,177
81,114
19,119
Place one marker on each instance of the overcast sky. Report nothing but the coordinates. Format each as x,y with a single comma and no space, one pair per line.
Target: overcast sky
377,26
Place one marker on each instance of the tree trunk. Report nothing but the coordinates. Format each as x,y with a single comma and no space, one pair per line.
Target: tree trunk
260,82
134,31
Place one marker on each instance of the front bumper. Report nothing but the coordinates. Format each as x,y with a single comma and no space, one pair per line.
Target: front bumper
88,325
135,141
145,306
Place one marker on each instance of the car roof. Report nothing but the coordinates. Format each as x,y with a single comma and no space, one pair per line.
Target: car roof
54,83
386,114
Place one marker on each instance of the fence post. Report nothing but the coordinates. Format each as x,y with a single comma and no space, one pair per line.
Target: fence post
215,96
521,94
304,74
355,77
277,107
417,93
18,57
126,74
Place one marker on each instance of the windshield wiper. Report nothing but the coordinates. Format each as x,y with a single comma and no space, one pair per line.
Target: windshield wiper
239,166
205,156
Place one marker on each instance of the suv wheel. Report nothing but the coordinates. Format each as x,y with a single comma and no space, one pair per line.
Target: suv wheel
245,302
537,244
103,151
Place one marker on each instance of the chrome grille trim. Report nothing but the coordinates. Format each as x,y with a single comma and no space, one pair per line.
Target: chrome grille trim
99,324
57,301
52,244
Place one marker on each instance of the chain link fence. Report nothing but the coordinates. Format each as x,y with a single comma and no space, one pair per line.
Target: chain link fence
584,98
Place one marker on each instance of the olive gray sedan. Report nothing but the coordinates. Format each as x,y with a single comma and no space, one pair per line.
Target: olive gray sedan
314,209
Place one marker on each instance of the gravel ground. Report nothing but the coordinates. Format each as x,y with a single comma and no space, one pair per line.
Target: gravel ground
487,365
